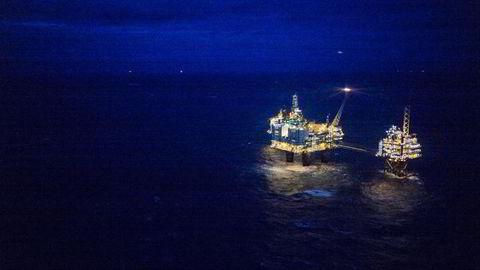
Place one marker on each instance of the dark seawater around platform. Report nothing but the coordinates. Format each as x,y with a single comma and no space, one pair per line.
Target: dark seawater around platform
175,172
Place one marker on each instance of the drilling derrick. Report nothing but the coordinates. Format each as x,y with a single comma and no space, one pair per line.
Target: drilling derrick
406,122
399,146
294,102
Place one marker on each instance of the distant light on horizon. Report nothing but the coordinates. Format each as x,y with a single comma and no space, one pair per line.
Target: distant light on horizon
340,52
346,89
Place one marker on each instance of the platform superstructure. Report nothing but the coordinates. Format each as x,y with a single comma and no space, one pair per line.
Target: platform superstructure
399,146
292,133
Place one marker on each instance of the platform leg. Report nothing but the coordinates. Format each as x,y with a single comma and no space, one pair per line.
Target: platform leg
398,168
306,159
324,157
289,156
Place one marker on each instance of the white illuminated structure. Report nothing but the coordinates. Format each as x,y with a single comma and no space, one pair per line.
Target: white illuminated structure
292,133
399,146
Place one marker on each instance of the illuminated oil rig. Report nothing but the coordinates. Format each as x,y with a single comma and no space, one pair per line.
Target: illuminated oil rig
399,146
292,133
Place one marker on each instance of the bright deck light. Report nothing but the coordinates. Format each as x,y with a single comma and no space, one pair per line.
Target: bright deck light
346,89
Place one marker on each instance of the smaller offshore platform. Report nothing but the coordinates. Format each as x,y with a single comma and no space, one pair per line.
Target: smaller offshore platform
292,133
399,146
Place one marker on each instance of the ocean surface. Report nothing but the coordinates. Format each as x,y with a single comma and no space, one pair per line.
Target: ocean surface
139,171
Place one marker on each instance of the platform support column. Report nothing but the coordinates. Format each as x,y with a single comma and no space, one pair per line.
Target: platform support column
396,167
306,158
289,156
324,157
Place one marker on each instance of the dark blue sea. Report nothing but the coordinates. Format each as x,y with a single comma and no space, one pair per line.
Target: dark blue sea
140,171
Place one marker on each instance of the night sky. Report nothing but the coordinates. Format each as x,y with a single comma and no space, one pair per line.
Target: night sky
238,36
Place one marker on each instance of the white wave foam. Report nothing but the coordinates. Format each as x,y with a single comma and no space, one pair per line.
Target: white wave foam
318,193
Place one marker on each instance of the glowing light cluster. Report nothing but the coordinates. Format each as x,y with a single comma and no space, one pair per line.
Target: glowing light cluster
293,133
399,147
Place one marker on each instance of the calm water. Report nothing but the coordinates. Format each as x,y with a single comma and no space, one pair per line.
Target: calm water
143,172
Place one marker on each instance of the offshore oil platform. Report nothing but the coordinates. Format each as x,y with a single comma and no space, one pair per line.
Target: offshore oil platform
292,133
399,146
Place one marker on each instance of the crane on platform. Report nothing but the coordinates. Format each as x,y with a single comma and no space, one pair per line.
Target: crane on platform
336,120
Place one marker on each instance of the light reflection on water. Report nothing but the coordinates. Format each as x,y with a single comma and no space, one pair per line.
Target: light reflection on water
392,196
330,208
316,180
382,193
